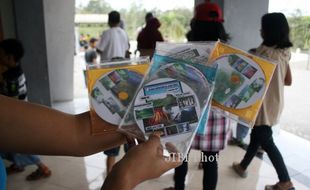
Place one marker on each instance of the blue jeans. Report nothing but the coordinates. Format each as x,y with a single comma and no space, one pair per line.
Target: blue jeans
241,132
262,136
21,160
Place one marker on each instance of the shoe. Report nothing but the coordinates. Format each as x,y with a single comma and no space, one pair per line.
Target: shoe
233,142
40,173
243,145
236,142
280,186
169,188
13,169
239,170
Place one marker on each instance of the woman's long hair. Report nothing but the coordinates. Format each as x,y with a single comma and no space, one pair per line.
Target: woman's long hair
275,31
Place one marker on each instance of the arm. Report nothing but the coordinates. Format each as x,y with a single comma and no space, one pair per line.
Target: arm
143,162
30,128
288,77
101,44
160,37
98,51
94,57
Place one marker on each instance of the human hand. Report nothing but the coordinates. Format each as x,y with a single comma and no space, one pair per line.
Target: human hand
142,162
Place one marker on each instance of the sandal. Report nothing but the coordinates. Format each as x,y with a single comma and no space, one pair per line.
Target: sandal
239,170
280,186
39,174
13,169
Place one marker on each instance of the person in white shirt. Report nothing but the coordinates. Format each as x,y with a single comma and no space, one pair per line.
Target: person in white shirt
114,42
113,46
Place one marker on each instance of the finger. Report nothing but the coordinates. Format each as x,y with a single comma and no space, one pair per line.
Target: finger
160,150
155,137
174,152
172,162
131,143
133,138
171,148
157,133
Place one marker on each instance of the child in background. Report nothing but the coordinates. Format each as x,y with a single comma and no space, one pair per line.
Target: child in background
207,25
13,84
91,54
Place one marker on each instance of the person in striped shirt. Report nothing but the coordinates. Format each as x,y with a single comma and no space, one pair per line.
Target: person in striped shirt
13,84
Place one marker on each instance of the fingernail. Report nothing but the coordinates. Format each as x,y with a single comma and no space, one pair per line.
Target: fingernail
158,133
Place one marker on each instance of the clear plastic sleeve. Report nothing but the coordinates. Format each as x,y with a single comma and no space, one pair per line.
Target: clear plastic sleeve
172,97
111,87
241,82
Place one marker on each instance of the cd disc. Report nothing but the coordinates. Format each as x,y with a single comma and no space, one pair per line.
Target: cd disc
167,105
188,74
239,82
113,92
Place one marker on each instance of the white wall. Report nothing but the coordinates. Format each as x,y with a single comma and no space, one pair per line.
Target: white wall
242,21
59,27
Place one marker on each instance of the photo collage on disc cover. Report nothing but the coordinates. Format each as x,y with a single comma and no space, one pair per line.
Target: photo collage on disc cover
166,105
113,92
239,81
170,102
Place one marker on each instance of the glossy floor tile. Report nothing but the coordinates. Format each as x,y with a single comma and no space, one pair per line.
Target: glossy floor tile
89,173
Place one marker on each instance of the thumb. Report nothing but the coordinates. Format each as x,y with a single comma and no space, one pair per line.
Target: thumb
155,137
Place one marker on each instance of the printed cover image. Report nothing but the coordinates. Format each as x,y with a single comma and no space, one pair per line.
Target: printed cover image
119,87
187,74
111,89
163,88
186,101
97,95
145,113
241,82
233,79
177,118
227,82
166,108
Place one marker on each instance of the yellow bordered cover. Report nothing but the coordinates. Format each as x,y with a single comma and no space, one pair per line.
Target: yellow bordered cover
241,82
111,87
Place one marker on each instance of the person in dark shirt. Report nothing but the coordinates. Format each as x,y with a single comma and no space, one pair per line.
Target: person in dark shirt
91,54
13,84
148,37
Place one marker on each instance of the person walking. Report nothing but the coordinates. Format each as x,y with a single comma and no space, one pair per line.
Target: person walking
275,46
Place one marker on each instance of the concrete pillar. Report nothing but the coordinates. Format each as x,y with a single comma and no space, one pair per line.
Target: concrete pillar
242,21
46,29
59,27
7,18
30,29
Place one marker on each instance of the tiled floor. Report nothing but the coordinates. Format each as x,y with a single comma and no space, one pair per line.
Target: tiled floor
89,172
